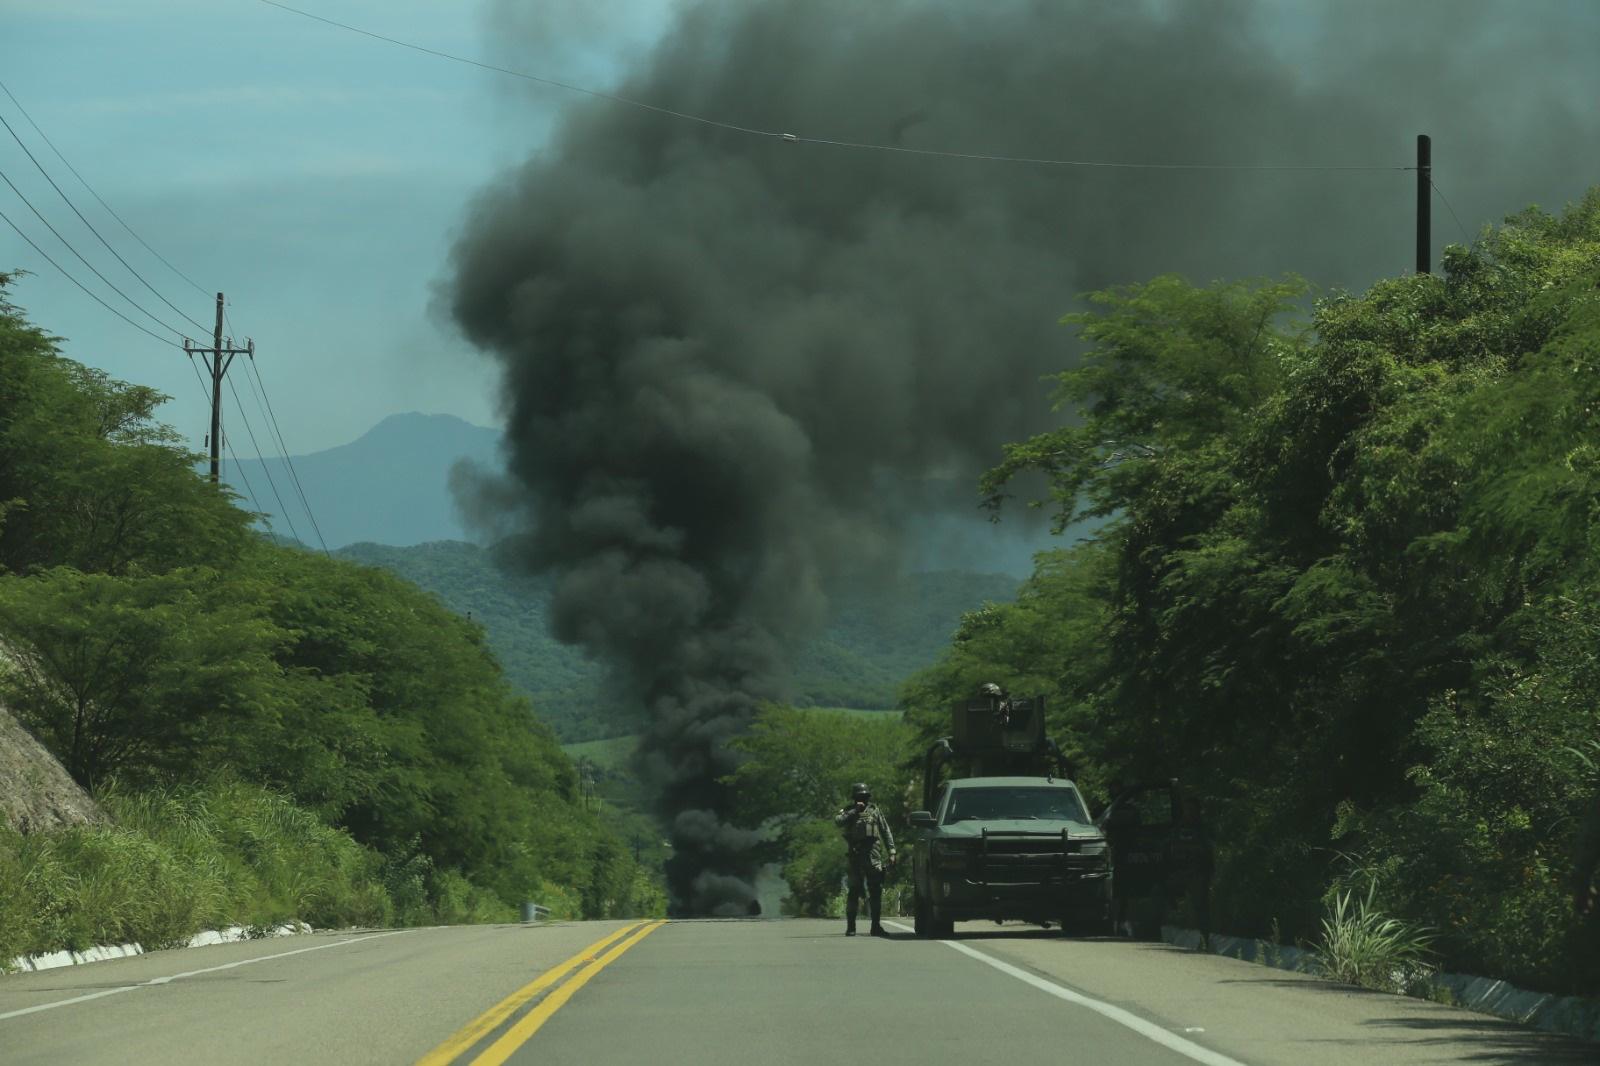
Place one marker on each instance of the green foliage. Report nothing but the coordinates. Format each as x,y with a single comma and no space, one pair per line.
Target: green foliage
1170,368
1482,852
176,862
1049,643
151,642
513,610
87,477
278,861
138,674
1345,589
797,774
879,633
1363,947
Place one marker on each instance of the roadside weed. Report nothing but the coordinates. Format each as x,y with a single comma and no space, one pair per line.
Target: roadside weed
1362,946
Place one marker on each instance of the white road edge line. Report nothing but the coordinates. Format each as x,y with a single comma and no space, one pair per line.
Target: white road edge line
191,973
1150,1030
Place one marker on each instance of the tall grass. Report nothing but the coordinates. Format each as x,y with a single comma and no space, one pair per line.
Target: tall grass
178,861
1362,946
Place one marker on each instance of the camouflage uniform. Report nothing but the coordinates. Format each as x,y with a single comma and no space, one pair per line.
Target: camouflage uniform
866,833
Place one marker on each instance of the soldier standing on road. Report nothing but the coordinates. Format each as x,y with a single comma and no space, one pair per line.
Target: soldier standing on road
866,833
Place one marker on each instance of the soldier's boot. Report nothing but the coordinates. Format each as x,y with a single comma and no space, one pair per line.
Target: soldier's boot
850,919
875,905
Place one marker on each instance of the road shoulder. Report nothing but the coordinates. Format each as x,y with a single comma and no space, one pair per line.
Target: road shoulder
1257,1013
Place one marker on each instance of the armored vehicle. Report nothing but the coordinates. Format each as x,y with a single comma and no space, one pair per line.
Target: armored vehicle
1005,833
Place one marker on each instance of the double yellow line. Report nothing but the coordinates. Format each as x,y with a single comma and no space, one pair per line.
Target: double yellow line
514,1037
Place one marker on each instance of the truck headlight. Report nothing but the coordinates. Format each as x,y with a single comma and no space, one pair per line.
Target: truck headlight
951,856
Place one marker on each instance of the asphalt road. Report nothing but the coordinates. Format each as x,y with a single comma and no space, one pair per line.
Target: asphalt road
726,992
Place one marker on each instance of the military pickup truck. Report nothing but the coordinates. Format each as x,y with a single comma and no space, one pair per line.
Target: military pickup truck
1010,847
1004,833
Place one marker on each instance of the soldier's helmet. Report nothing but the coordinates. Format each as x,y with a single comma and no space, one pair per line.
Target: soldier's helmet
860,791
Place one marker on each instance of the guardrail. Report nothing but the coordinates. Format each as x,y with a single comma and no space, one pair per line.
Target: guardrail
534,912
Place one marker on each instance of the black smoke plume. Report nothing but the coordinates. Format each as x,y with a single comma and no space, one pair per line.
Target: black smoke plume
733,365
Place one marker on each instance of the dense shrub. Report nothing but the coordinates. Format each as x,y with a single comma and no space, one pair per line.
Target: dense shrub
1346,588
178,861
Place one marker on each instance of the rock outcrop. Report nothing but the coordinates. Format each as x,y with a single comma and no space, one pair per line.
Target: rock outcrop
36,792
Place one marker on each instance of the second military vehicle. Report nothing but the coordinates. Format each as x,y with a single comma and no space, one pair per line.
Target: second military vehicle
1006,834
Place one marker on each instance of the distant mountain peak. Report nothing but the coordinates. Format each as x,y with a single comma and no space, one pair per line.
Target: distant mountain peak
388,486
412,423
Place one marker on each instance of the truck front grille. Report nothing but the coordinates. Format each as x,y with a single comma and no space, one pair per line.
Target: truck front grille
1025,859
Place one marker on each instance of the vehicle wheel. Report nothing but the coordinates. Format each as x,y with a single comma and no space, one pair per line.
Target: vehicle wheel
941,928
919,919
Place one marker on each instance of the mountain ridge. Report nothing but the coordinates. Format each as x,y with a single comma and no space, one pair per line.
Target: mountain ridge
875,639
390,485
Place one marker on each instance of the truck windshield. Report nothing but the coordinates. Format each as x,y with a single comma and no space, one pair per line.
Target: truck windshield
994,804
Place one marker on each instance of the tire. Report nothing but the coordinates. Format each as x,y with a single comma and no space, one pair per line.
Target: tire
940,928
919,918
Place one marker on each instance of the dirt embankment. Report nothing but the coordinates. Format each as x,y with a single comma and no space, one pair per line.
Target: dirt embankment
36,792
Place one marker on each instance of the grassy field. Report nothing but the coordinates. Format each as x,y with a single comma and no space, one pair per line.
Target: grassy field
851,710
609,754
612,754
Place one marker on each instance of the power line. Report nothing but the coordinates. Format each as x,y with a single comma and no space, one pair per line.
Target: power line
81,259
288,460
271,420
91,293
265,469
249,490
794,138
85,183
264,402
1464,234
68,200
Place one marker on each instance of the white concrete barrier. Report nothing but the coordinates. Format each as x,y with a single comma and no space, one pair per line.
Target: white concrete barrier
1577,1016
99,953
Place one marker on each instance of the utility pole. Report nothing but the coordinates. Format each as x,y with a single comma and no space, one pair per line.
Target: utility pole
1424,201
220,360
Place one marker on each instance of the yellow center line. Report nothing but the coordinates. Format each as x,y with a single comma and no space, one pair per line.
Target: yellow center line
474,1031
497,1053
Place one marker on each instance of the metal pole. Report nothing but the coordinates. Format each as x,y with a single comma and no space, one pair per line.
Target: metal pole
1424,201
216,395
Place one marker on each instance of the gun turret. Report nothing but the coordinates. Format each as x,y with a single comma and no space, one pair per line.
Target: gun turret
994,735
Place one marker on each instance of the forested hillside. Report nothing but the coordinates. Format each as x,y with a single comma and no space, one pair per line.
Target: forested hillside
878,636
213,687
1349,589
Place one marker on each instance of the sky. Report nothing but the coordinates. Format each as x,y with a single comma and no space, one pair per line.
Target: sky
314,176
320,178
